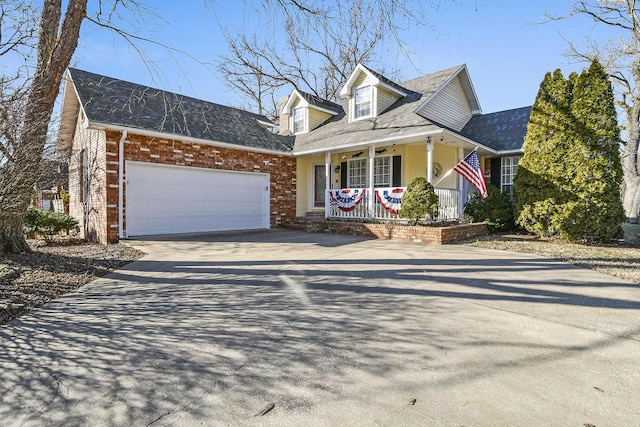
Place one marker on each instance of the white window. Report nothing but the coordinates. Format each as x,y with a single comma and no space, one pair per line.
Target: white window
362,103
508,171
357,173
382,172
299,122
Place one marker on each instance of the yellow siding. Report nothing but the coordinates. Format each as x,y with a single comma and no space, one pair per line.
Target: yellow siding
304,183
448,158
316,118
415,164
362,80
295,105
384,99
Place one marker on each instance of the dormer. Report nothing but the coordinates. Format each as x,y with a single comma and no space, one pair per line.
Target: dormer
369,93
304,112
453,103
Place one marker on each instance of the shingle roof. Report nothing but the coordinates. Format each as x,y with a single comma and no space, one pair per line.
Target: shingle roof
397,121
502,131
110,101
385,80
319,102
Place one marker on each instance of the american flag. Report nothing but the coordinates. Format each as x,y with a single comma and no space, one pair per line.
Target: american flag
470,169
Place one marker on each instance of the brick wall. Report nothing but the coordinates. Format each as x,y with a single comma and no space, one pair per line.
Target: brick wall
281,168
420,234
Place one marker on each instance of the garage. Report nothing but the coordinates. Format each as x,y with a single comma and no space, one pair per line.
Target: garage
165,199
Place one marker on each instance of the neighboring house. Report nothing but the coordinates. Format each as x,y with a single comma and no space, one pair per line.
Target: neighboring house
384,134
53,177
145,161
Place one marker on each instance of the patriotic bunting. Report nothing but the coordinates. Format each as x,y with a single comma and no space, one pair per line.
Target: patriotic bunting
390,199
346,199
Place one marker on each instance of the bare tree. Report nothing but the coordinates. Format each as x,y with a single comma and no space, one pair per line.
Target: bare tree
28,95
621,59
57,40
321,45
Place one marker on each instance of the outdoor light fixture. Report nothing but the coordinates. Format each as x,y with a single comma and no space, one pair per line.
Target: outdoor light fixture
394,148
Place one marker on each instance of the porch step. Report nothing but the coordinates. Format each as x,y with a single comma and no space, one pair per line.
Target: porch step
315,214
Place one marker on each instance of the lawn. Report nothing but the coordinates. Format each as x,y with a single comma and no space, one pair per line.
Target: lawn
620,259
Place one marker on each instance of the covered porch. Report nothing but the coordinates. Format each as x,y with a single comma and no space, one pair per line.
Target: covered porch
367,181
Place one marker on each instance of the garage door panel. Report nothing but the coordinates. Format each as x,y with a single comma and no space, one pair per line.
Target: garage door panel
172,199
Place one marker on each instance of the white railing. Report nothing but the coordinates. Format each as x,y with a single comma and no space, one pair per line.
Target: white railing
449,208
449,204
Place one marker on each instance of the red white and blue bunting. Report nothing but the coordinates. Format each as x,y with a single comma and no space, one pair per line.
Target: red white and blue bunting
346,199
390,199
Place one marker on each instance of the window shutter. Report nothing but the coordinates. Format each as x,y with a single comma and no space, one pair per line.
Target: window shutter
396,180
495,172
343,175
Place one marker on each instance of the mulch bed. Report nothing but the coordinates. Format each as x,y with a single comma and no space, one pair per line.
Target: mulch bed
29,280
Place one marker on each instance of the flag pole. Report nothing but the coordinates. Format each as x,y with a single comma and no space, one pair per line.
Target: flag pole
443,177
451,170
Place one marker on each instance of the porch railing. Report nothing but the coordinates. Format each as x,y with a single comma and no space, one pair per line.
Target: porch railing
449,208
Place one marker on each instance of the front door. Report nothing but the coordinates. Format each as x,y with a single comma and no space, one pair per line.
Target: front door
319,185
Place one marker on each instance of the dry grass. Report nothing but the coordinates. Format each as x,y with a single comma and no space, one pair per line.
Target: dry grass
620,260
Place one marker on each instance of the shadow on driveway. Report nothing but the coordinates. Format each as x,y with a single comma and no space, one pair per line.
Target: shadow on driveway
333,331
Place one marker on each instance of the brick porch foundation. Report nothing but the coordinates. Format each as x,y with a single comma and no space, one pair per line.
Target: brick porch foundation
408,233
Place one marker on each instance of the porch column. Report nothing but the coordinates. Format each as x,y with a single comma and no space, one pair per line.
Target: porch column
462,196
429,160
370,201
327,185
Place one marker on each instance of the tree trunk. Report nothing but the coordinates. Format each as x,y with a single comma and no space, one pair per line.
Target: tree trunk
631,199
56,43
631,175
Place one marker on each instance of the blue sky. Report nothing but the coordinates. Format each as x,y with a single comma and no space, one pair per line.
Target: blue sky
503,43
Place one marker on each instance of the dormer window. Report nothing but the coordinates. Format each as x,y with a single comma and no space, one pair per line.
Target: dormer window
362,105
299,122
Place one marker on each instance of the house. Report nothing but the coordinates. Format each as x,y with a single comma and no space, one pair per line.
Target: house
383,134
53,178
145,161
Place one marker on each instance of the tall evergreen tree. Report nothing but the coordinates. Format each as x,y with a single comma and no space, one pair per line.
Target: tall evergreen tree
538,190
568,182
598,211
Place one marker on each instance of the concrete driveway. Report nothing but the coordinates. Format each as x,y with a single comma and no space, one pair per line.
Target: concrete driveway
332,330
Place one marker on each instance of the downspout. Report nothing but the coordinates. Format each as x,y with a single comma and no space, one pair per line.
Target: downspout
121,185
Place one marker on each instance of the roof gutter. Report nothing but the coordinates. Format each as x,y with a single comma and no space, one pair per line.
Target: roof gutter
515,151
471,141
171,136
396,140
381,141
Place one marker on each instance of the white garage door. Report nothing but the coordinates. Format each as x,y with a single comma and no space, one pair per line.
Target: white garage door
163,199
